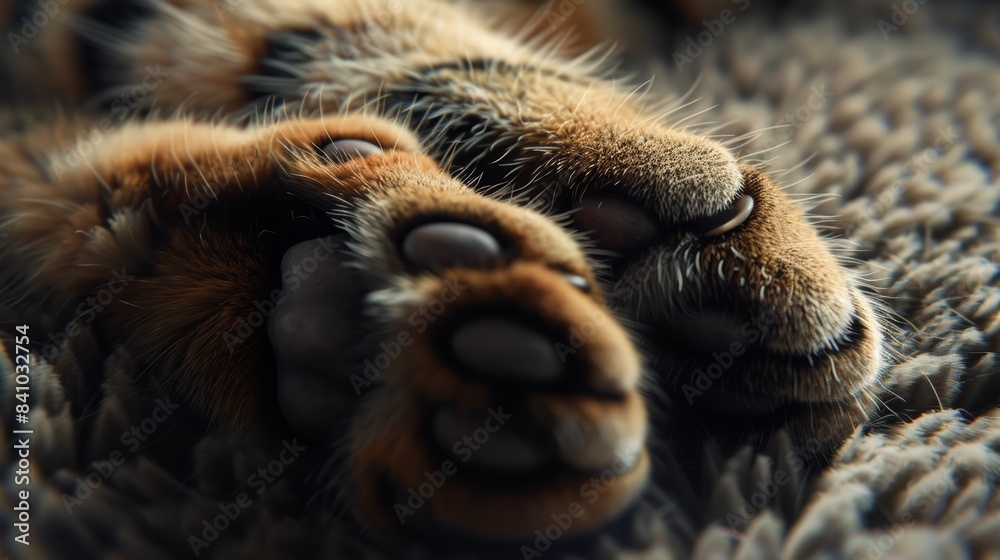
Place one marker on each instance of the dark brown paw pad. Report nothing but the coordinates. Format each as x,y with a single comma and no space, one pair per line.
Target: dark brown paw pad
508,352
440,245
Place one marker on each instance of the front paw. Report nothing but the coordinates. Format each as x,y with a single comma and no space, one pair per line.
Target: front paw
750,319
463,349
506,397
417,333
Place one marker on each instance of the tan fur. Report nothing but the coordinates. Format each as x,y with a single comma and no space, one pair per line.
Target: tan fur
123,209
539,129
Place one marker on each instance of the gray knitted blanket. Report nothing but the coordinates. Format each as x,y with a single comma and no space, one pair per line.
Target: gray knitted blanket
886,124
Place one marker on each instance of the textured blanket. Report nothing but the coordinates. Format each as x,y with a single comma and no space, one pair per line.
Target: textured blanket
884,120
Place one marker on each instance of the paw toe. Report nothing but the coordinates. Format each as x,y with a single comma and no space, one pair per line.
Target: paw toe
440,245
504,351
502,448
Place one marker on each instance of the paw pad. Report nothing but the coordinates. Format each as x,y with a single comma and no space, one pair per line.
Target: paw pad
441,245
504,351
492,444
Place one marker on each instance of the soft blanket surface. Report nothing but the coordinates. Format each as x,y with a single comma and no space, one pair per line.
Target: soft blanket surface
888,129
892,125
